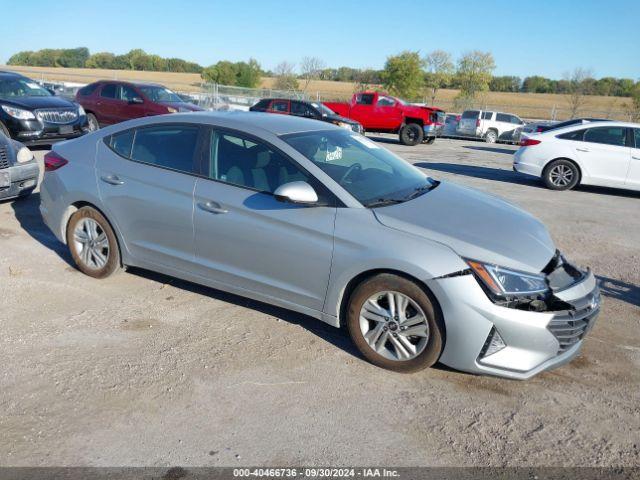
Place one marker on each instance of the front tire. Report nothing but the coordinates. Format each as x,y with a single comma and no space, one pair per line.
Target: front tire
411,134
92,121
561,174
394,324
92,243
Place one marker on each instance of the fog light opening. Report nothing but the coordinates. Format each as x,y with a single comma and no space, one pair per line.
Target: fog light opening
493,344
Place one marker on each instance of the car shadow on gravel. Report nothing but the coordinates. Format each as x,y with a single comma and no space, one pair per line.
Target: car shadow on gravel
623,291
28,215
336,336
486,173
506,151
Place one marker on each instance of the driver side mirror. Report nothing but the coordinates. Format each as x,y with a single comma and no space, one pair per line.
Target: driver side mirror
296,192
136,100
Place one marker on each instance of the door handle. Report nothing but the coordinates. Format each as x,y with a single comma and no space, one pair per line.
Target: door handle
582,149
112,180
212,207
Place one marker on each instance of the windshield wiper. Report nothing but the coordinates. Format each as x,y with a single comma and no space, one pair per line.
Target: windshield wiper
381,202
420,190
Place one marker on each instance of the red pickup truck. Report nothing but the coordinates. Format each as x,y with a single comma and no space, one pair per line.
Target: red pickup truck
379,112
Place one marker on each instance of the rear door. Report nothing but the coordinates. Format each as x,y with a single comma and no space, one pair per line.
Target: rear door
633,177
107,104
146,181
247,239
605,155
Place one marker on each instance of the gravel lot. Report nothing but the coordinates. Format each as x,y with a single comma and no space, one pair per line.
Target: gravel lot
142,369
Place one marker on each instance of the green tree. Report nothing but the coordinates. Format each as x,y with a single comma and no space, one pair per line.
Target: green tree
101,60
285,77
440,69
248,74
474,74
223,72
505,83
73,57
403,76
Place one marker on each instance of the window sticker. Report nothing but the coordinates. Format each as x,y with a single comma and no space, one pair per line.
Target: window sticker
334,155
365,141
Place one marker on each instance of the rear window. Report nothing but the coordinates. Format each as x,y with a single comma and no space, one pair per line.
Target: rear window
577,135
121,143
470,114
364,99
261,105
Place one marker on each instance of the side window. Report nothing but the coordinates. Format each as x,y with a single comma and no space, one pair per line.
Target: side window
127,94
364,99
303,110
261,105
576,135
168,146
385,101
121,143
636,135
515,120
607,135
279,106
109,91
250,164
88,90
503,117
487,115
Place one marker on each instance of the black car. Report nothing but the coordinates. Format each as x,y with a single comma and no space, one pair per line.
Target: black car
303,108
18,169
32,115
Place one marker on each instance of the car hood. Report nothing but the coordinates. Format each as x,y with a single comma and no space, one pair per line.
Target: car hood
475,225
31,103
184,106
339,118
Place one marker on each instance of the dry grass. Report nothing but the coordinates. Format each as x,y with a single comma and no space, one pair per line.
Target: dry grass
527,105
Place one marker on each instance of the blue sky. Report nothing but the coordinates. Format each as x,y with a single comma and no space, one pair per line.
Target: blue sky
543,37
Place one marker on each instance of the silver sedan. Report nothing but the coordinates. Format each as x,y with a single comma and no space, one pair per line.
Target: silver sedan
323,221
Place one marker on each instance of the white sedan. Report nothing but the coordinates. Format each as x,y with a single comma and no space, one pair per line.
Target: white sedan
600,153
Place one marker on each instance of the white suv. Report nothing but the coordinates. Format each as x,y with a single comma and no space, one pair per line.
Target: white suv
492,126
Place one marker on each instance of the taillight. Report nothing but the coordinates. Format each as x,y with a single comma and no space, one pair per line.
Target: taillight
458,118
528,142
478,122
53,161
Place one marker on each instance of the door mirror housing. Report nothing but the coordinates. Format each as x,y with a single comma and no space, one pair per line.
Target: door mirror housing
296,192
136,100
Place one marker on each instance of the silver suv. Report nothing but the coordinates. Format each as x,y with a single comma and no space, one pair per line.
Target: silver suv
492,126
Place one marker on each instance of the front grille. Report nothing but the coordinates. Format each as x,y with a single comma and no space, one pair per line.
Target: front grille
569,327
4,157
57,115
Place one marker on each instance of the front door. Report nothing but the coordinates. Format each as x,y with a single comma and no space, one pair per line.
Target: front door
246,238
605,155
146,183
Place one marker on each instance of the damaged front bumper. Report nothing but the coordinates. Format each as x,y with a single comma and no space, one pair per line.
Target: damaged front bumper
488,338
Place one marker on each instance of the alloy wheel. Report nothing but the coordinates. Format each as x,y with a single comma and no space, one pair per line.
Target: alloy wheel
561,175
394,326
91,243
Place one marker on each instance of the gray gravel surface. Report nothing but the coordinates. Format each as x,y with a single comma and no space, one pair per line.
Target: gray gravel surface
142,369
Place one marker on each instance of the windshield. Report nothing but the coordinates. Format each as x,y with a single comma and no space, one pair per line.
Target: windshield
160,94
323,109
21,87
372,174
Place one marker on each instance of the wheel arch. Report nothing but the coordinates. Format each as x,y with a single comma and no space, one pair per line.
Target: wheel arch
408,120
75,206
353,283
570,160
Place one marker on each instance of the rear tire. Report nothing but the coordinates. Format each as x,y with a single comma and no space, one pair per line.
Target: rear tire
405,337
561,174
92,243
93,122
491,136
411,134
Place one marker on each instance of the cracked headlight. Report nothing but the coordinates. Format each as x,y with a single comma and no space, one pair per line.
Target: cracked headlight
504,282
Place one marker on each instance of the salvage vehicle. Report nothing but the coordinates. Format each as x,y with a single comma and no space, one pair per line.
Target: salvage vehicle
383,113
107,102
321,220
592,153
303,108
490,126
34,116
18,169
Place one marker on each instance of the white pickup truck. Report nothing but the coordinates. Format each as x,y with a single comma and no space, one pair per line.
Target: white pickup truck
492,126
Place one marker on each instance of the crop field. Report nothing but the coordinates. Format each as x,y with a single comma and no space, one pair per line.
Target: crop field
526,105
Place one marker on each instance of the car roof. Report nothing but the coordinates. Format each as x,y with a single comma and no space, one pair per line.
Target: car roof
581,126
10,74
255,123
127,82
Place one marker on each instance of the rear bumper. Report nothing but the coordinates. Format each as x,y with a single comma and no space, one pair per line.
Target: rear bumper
534,341
24,178
432,130
521,165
